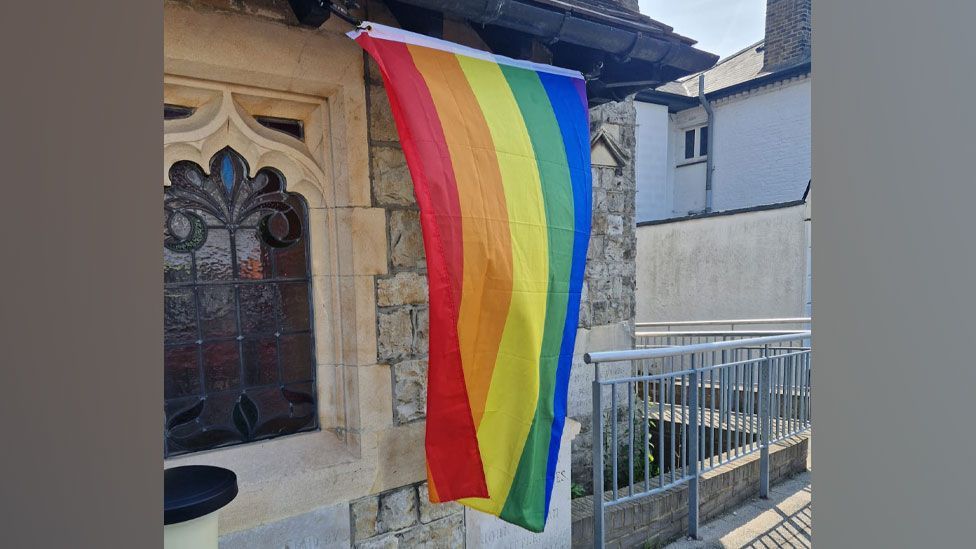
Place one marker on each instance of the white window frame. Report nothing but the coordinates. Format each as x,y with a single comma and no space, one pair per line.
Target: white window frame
698,157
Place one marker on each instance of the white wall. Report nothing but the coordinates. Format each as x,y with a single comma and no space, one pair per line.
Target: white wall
761,152
746,265
762,147
653,164
689,189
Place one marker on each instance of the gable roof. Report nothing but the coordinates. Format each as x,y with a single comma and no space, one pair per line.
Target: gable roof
742,66
739,72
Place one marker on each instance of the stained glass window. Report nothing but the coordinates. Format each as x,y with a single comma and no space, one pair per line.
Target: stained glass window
239,360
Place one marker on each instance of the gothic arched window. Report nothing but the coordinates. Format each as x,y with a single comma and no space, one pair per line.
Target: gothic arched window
239,349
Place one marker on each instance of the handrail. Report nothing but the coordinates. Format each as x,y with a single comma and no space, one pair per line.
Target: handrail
719,403
704,333
790,320
639,354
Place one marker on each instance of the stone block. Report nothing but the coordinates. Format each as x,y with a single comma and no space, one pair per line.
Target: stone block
394,334
392,185
400,456
401,289
406,239
421,331
600,311
599,223
616,201
388,541
357,302
375,396
365,516
398,509
429,511
446,533
595,251
381,124
586,315
599,199
321,528
362,238
409,391
615,250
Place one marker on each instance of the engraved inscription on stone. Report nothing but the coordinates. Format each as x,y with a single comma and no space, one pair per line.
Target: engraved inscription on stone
486,531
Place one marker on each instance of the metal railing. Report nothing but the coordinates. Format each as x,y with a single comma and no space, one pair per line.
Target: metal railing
696,407
802,322
659,339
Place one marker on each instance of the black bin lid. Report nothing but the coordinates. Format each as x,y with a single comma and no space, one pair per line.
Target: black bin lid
193,491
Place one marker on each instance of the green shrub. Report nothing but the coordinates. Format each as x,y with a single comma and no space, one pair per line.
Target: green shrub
623,450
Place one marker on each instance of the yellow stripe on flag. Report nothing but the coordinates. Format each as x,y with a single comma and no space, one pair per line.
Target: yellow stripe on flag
514,391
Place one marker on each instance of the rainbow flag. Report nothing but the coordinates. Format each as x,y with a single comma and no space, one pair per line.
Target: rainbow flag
499,153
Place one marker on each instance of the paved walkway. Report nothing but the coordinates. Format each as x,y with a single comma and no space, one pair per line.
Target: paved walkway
784,520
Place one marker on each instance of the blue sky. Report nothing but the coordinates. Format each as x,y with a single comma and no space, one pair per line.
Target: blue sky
720,26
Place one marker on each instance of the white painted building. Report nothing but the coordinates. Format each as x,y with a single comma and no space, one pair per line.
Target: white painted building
760,143
743,249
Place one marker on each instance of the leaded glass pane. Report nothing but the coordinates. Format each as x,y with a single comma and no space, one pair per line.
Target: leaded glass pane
253,256
218,311
182,370
221,366
177,267
260,315
260,360
295,349
179,314
239,352
214,256
294,308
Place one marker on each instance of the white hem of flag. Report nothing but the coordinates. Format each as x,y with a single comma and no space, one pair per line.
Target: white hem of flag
384,32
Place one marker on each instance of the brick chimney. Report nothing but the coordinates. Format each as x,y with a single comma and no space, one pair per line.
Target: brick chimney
787,34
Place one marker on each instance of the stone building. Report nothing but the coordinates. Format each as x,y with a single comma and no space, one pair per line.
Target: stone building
267,92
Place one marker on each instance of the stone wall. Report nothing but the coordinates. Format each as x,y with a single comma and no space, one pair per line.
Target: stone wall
401,295
608,304
609,285
405,517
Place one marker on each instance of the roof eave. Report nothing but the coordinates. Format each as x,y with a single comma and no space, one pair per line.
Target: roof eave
771,78
677,102
625,60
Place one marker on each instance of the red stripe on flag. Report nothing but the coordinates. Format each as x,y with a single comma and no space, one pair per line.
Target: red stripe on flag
453,460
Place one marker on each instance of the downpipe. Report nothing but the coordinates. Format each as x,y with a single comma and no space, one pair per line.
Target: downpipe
711,136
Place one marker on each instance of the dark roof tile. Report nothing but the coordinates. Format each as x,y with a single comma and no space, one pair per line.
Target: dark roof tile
737,68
